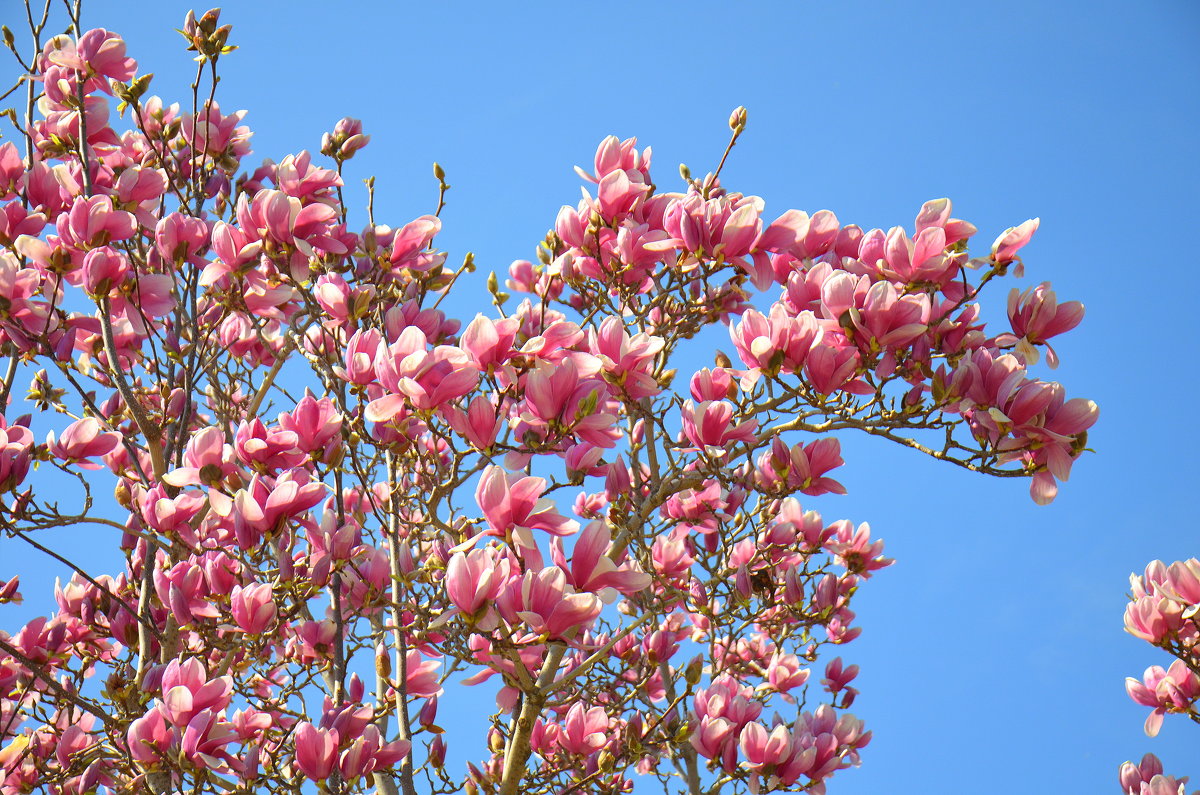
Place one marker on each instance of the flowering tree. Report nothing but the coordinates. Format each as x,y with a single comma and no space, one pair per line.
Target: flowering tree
1163,609
333,500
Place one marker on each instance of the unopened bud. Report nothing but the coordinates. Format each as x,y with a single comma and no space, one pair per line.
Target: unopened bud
437,753
737,119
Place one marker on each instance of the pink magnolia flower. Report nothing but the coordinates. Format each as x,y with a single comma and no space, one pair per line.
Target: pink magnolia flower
253,607
296,176
785,672
1013,240
361,351
235,249
514,507
627,360
715,384
98,54
546,604
709,427
368,753
12,170
1147,778
316,424
216,135
672,556
561,398
266,449
316,751
93,222
16,454
410,245
186,591
346,139
181,238
490,342
422,675
16,221
204,739
104,270
780,756
426,379
802,467
149,737
187,691
591,569
774,344
619,192
1174,689
713,738
473,581
852,547
614,154
207,459
480,424
832,363
936,212
838,676
81,440
910,260
260,509
1036,316
583,731
722,226
801,236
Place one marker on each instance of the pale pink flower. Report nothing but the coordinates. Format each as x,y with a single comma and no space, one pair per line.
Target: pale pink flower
316,751
591,569
1013,240
583,730
546,604
514,505
410,244
473,581
253,607
1174,689
710,427
187,691
81,440
490,342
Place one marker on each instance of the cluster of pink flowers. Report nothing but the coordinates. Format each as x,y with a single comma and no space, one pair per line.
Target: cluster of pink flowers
321,478
1163,609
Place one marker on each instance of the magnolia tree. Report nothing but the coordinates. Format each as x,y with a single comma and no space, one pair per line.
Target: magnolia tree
332,500
1164,610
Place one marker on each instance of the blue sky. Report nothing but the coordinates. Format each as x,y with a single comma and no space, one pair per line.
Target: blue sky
993,653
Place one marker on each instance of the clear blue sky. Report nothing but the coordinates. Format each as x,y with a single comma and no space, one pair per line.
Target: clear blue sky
993,654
